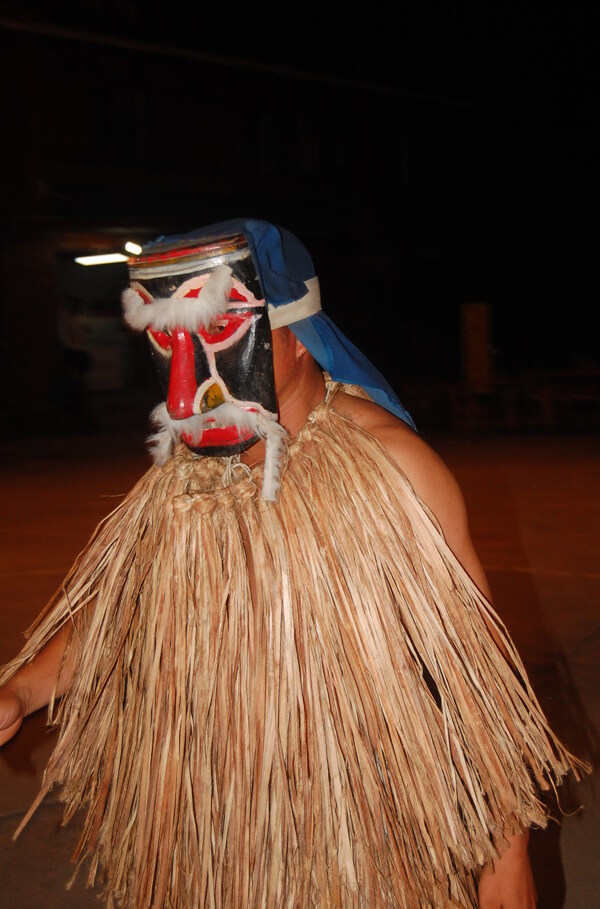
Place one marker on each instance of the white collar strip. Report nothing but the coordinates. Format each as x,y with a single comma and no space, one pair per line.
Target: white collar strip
306,306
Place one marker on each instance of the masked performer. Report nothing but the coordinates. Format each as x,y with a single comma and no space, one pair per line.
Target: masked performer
281,680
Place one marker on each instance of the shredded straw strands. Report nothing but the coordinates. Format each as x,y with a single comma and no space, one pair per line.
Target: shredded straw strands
290,704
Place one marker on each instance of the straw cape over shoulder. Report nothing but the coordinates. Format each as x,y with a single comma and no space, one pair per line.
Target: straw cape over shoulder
289,704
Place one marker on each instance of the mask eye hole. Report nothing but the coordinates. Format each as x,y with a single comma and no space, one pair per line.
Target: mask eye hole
161,340
227,327
218,326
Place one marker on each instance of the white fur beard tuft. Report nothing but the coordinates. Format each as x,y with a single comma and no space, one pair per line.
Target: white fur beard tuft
162,442
274,456
169,431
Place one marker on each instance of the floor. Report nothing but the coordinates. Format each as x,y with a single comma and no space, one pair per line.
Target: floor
535,518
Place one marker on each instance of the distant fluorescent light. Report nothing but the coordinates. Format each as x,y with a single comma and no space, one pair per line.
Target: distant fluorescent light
133,248
105,259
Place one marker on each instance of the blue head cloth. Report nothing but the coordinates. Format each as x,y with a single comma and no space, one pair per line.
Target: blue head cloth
291,291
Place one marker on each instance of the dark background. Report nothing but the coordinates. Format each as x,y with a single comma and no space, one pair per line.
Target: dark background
430,157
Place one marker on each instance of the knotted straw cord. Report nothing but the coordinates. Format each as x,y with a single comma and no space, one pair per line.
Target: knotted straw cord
292,704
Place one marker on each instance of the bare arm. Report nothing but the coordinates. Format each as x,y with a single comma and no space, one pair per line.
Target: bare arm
33,684
507,882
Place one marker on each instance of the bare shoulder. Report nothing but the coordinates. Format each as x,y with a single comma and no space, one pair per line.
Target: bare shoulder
431,479
418,461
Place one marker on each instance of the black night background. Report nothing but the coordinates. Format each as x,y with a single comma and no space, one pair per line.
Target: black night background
437,161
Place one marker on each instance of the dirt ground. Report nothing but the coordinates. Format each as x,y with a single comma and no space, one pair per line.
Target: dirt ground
535,518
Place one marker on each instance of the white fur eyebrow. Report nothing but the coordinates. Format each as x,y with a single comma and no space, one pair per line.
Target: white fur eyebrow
178,312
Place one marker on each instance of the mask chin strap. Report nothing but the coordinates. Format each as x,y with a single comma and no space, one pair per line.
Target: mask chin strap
162,442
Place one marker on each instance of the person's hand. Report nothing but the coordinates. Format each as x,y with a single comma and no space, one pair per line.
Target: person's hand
12,713
507,882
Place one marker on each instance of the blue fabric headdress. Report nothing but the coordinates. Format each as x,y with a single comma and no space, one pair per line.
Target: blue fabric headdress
291,290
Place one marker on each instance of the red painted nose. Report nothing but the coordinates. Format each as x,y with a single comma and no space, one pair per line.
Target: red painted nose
182,378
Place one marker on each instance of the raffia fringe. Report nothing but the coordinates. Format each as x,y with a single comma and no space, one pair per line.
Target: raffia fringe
293,704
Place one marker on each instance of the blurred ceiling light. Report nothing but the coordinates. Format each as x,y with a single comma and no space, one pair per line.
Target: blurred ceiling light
133,248
105,259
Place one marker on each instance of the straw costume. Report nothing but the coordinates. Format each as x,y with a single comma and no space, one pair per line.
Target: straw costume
289,694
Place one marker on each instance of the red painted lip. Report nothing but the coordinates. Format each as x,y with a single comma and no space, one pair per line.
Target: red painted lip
218,436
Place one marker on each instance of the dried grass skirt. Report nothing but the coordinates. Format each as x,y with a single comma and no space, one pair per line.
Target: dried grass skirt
293,704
